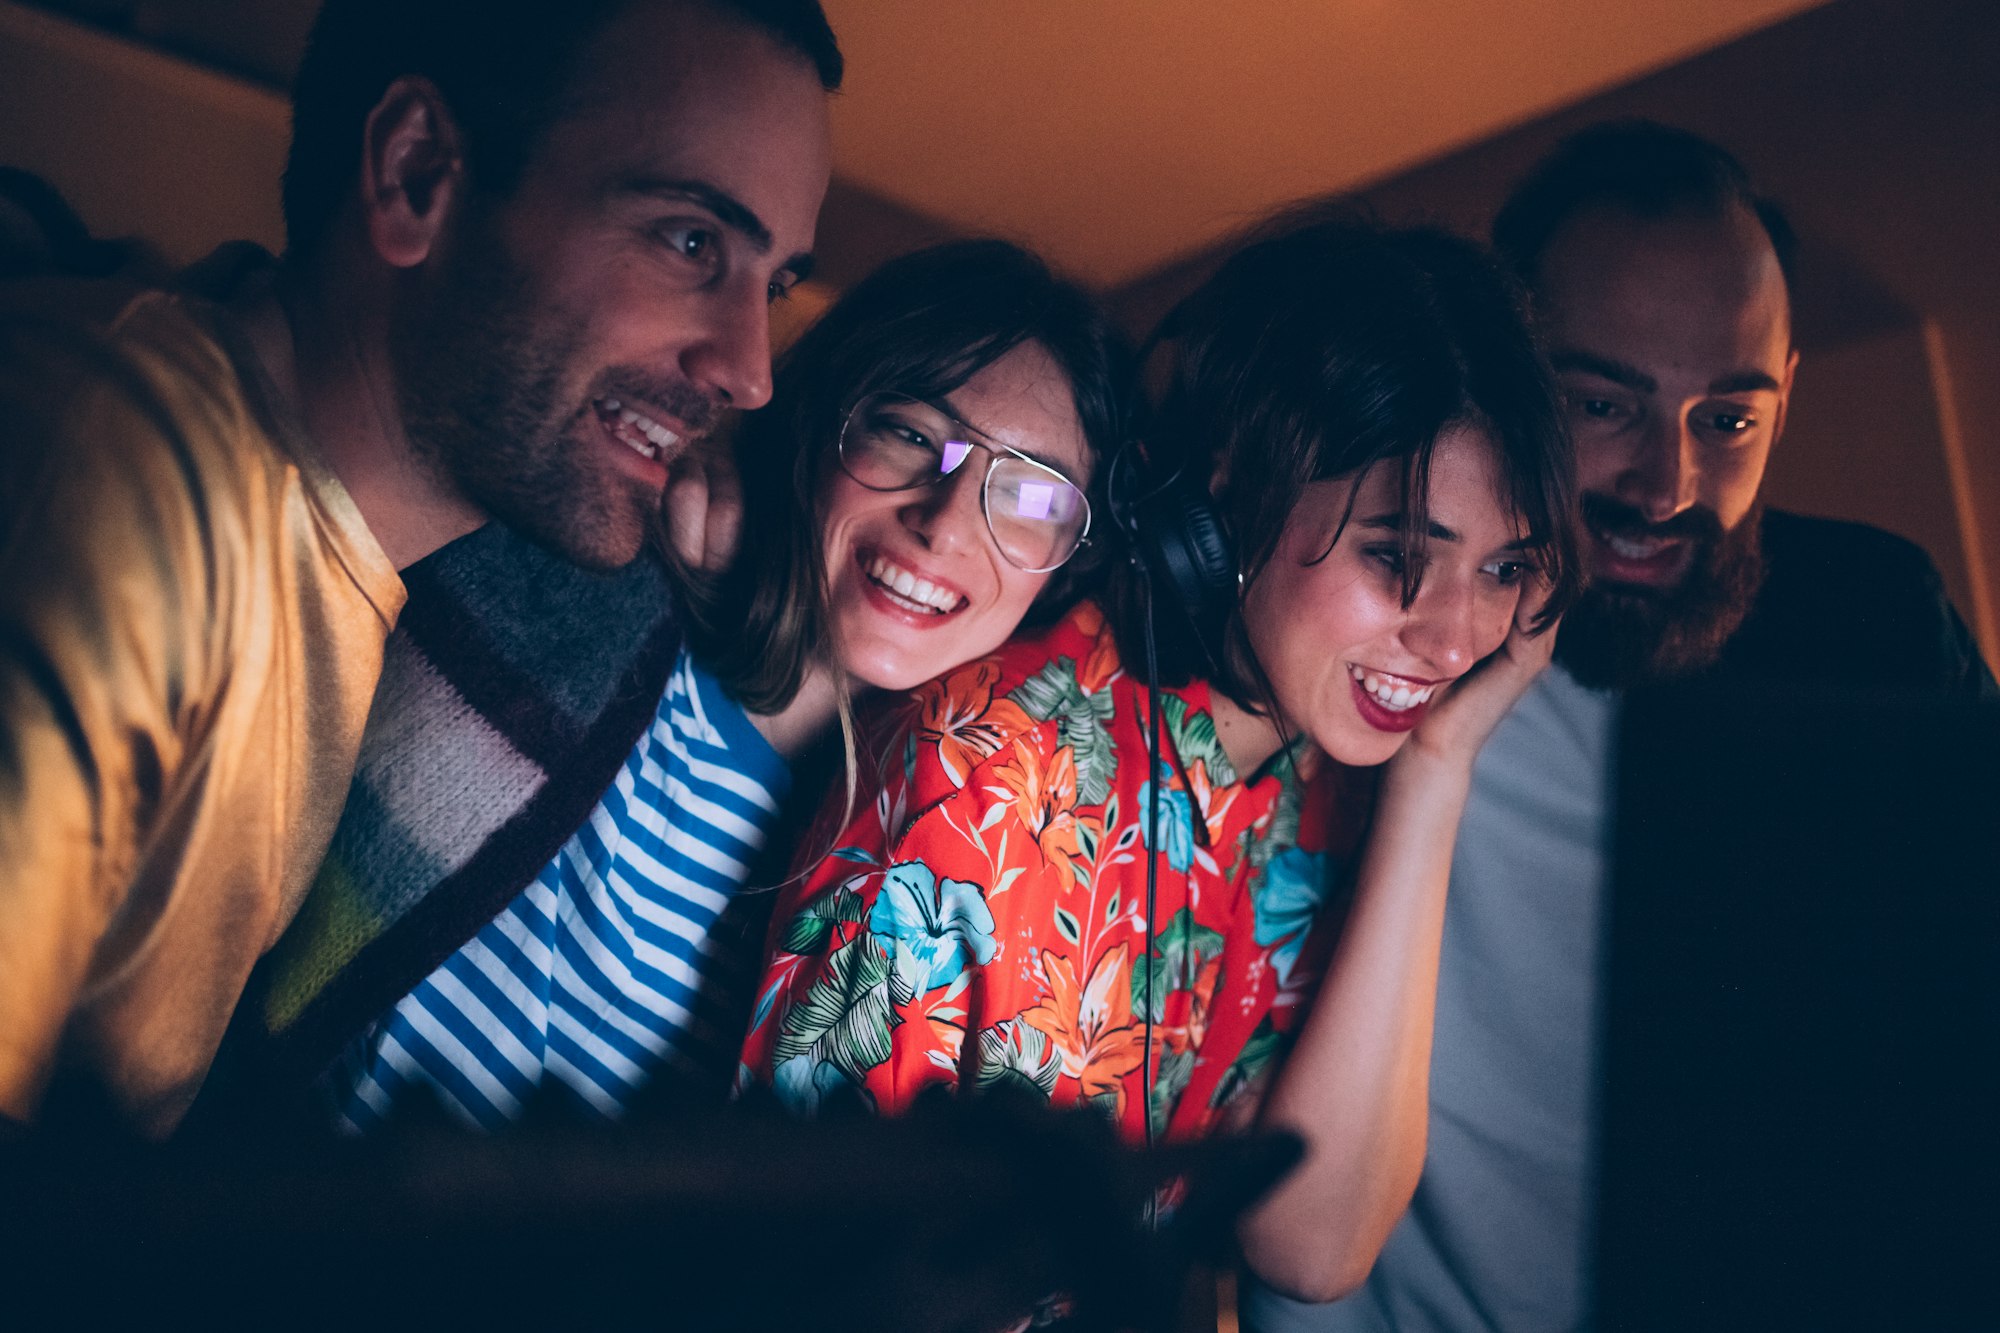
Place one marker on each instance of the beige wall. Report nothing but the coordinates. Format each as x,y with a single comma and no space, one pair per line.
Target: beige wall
147,145
1865,442
141,145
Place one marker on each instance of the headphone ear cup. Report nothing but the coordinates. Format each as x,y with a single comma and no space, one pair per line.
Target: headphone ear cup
1181,536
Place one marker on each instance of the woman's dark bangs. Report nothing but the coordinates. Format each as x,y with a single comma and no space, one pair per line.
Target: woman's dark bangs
1536,494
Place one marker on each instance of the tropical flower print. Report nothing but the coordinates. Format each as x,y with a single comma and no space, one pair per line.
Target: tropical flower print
958,714
1212,800
931,932
1176,828
983,922
803,1084
1013,1053
1093,1030
1288,902
1045,802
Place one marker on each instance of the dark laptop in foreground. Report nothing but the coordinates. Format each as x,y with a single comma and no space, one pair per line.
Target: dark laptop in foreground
1802,1029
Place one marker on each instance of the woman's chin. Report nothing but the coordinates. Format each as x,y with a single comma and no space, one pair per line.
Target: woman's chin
1360,746
879,653
877,669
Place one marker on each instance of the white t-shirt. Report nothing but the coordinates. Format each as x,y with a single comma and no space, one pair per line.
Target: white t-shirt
1498,1235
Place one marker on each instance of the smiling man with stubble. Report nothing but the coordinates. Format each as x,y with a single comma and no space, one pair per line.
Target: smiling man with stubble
530,254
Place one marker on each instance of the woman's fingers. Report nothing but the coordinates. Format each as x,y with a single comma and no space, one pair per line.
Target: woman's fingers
704,508
725,512
1473,706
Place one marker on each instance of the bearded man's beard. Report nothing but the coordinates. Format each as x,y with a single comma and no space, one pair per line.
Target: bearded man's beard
1621,634
479,378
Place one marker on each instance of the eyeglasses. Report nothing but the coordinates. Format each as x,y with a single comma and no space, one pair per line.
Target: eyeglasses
1038,517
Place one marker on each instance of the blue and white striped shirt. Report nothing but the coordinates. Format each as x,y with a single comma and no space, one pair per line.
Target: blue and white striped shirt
602,973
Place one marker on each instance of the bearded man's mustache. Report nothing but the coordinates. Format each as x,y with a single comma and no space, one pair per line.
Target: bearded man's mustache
1619,635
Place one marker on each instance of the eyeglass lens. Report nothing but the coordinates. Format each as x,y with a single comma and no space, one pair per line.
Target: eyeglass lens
1036,515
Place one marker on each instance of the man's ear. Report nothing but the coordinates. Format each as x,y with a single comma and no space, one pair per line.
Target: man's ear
1785,396
412,171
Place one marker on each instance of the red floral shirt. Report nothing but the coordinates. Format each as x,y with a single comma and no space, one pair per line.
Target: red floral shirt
983,919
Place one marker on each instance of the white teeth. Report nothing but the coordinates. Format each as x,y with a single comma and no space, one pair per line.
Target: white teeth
910,588
654,438
649,428
1397,696
1643,548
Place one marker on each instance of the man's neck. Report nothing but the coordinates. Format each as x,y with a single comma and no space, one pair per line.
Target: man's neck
328,357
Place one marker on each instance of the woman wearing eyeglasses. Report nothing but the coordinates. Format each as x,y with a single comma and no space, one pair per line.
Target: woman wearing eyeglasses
909,495
1046,892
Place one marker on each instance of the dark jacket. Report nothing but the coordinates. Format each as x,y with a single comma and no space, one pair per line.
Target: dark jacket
1844,604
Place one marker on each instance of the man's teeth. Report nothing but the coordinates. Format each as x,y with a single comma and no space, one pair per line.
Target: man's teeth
1636,548
639,432
911,588
1395,695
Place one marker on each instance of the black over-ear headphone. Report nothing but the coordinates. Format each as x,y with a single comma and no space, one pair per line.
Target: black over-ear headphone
1163,505
1181,548
1177,534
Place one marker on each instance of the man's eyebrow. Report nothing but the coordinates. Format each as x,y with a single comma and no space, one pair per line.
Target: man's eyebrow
733,213
1744,381
1604,367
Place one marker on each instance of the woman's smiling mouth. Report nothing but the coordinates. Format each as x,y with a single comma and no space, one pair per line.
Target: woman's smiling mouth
906,589
1394,692
1388,702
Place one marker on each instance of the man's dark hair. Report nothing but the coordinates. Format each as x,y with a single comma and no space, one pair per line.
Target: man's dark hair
1326,345
502,68
1640,167
920,325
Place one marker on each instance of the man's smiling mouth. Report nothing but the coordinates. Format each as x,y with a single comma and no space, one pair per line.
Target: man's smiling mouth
636,430
1638,548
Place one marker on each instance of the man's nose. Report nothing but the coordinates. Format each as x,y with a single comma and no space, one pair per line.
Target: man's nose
1664,474
732,357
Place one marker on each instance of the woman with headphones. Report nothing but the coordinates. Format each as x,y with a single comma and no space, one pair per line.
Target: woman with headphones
1183,856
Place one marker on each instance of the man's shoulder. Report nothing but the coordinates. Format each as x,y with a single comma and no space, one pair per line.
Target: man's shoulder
1803,545
1848,603
1839,573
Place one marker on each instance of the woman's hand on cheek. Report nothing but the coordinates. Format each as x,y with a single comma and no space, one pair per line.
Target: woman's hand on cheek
704,506
1472,707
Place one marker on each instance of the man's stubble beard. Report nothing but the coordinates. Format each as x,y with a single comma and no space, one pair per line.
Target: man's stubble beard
484,384
1618,635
